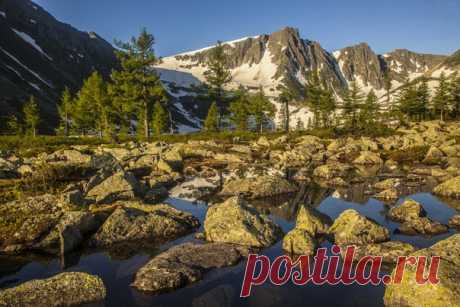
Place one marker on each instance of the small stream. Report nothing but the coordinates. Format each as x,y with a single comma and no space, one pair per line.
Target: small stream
222,287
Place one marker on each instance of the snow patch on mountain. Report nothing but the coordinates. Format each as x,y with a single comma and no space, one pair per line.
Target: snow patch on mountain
3,14
28,39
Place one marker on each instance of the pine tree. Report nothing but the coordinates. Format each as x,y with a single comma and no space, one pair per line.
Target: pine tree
65,109
261,109
327,107
285,97
211,124
454,93
351,104
313,96
31,116
387,85
407,100
93,108
369,112
136,87
441,97
14,126
217,75
423,99
239,110
160,119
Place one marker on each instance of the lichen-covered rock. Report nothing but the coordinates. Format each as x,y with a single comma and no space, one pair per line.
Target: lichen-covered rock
422,225
390,183
454,221
66,289
390,251
391,194
433,156
331,170
183,265
259,187
409,209
312,221
117,186
299,242
352,228
450,188
158,224
235,221
368,157
445,293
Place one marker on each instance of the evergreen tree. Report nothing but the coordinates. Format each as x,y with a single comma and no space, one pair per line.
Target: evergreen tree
407,100
387,85
261,109
211,123
160,119
65,109
217,75
441,97
285,97
369,112
313,96
239,110
454,93
14,126
31,116
327,107
423,99
136,87
351,104
93,108
300,125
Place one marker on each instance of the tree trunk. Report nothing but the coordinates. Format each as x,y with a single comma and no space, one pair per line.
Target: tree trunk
66,125
146,122
286,112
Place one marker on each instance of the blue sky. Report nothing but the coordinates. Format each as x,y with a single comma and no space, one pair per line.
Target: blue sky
429,26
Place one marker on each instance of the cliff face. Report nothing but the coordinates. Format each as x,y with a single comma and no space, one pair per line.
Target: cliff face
40,56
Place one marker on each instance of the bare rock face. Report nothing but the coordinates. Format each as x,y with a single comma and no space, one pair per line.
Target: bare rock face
66,289
160,223
235,221
259,187
183,265
445,293
352,228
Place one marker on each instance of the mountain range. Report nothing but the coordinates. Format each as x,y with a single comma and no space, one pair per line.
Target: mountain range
40,56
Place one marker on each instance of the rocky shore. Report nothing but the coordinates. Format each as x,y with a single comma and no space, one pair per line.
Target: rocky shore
104,196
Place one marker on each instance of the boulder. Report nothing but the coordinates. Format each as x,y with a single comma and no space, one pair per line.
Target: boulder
299,242
184,264
235,221
258,187
368,157
65,289
390,251
352,228
155,223
263,141
445,293
312,221
390,183
409,209
422,225
112,187
331,170
391,194
454,221
449,188
69,156
433,156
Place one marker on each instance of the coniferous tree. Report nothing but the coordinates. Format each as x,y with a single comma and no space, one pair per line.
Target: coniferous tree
65,109
136,86
407,100
454,93
351,103
211,123
239,109
261,109
93,108
423,99
387,85
441,97
327,107
14,126
300,125
31,116
285,97
313,96
369,112
160,119
217,75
